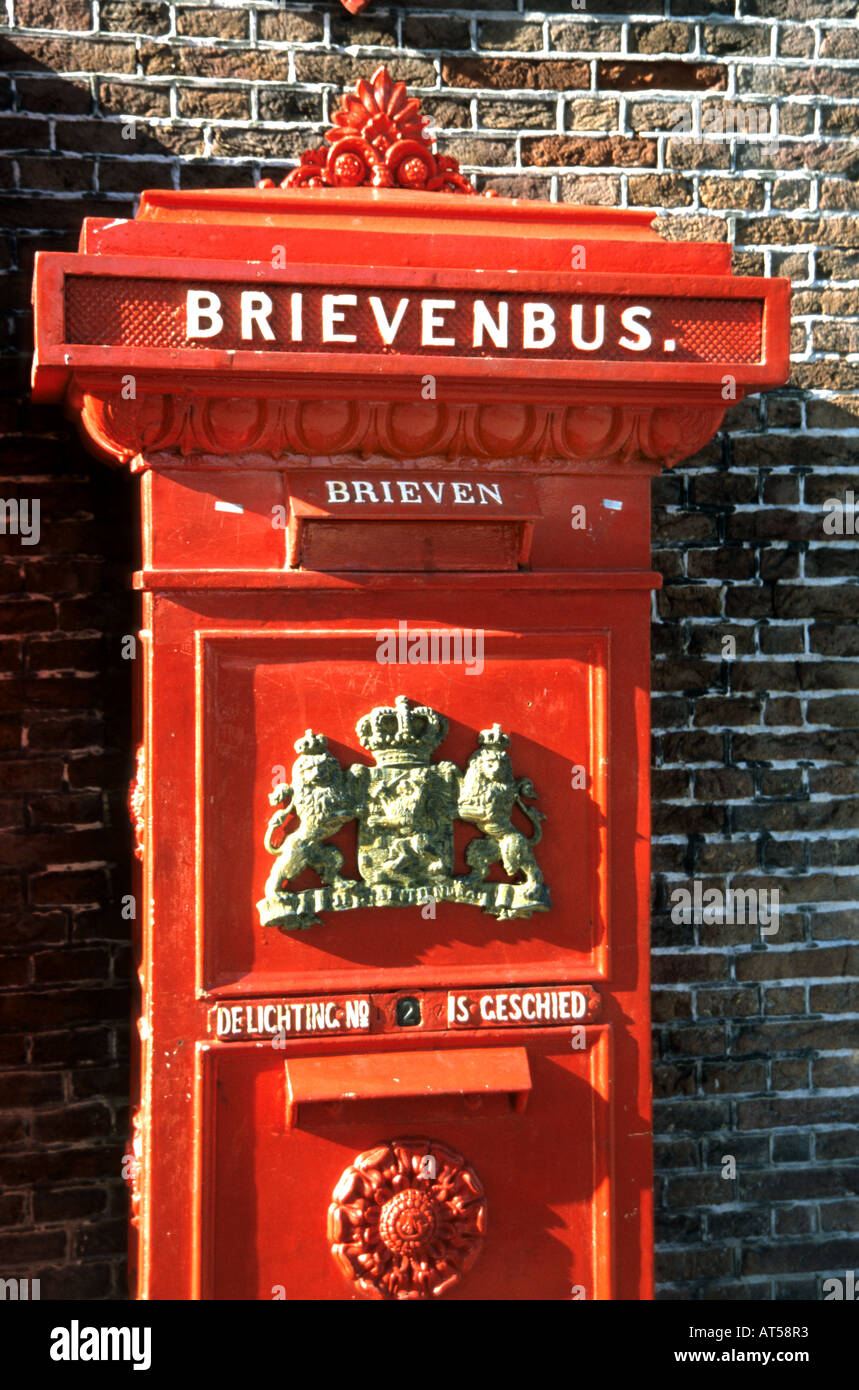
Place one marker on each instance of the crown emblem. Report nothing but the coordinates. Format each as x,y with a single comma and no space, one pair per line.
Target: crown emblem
311,744
494,738
405,807
403,734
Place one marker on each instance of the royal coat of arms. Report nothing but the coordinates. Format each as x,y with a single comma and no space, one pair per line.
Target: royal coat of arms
405,808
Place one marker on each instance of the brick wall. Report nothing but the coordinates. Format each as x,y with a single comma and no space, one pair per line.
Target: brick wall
755,768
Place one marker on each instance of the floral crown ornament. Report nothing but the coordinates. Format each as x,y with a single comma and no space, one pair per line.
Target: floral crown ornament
378,138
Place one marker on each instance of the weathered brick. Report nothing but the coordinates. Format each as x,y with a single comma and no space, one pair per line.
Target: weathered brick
549,74
796,42
54,14
724,39
511,115
53,96
281,26
801,9
133,99
813,80
289,104
213,23
659,76
225,104
589,113
565,150
31,53
593,37
134,17
661,38
491,34
163,59
373,29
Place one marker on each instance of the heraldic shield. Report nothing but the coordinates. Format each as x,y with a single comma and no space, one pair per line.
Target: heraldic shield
405,806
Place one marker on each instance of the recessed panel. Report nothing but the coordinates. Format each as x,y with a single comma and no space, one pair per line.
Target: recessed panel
353,1200
539,698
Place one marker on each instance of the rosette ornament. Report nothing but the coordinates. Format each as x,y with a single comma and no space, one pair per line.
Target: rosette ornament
406,1220
379,138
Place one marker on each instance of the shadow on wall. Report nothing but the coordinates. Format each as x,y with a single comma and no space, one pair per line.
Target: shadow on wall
86,147
66,742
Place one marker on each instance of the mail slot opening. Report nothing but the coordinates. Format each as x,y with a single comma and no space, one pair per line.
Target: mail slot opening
413,545
459,1072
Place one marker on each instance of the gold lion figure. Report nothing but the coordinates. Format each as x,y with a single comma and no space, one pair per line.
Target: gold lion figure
487,798
319,798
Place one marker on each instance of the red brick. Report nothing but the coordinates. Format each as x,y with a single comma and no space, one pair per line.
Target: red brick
530,74
659,76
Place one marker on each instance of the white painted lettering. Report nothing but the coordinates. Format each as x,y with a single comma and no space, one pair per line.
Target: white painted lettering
463,492
629,319
203,317
430,321
388,331
332,314
538,325
296,304
256,310
484,323
576,329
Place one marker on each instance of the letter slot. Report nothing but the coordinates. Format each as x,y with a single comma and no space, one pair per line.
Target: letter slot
453,1072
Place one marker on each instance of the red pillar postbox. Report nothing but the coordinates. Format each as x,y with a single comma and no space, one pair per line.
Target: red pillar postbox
395,448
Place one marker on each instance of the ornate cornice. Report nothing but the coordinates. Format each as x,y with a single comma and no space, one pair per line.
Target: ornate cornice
379,139
575,435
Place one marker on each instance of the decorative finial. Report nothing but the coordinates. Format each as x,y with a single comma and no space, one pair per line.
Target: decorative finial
379,138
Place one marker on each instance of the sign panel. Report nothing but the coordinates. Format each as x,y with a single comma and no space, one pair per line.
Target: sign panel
454,321
423,1010
517,1007
281,1018
457,496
